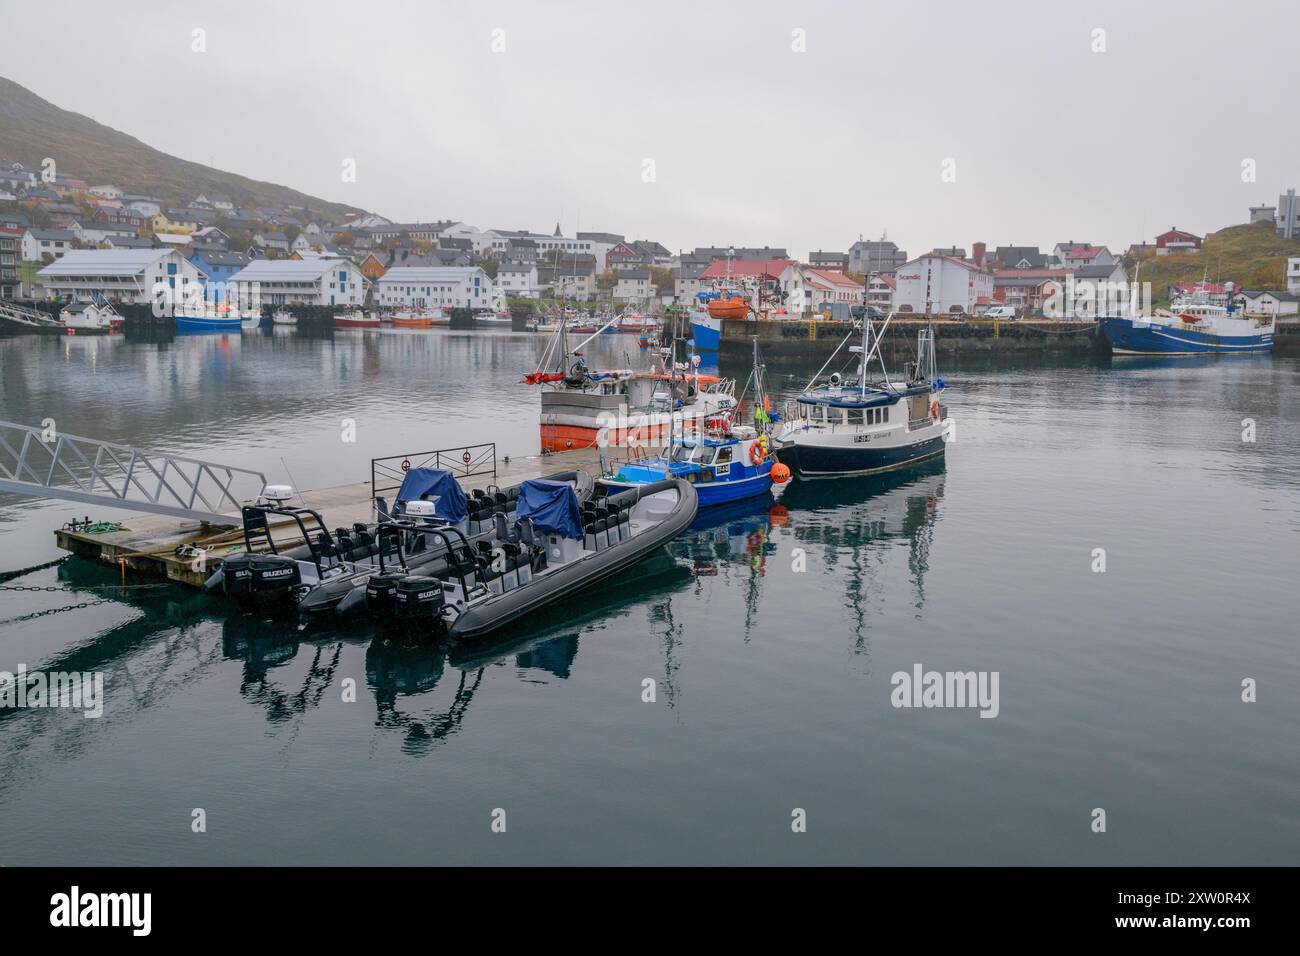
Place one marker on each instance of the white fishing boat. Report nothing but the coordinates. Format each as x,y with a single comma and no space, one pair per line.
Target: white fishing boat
283,316
866,427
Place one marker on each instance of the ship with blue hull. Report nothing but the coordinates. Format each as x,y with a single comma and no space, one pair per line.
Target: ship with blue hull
1192,326
706,322
204,324
865,427
706,330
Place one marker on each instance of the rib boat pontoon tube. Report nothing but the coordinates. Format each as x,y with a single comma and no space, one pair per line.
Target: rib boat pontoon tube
553,544
330,570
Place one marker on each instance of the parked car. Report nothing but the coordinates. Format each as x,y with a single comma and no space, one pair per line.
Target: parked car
1001,312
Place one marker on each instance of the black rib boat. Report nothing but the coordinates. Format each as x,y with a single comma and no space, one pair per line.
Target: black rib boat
555,546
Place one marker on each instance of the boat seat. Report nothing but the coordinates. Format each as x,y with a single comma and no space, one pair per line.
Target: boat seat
381,509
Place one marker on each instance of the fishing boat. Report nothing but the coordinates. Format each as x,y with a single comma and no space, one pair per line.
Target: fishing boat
201,323
727,462
551,545
91,318
283,316
331,569
1193,325
582,406
356,319
501,318
412,320
838,428
706,322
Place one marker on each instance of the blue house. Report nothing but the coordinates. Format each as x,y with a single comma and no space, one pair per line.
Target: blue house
218,266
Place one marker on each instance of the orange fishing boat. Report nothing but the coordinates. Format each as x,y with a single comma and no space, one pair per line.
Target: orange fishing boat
412,320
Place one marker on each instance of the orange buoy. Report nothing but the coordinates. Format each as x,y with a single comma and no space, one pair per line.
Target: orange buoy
934,409
780,473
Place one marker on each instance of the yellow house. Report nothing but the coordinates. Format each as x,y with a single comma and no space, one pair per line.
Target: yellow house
160,223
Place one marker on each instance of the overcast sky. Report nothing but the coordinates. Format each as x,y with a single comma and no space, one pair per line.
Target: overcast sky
751,142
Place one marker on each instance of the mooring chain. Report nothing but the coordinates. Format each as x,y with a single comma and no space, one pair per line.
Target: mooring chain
71,588
53,610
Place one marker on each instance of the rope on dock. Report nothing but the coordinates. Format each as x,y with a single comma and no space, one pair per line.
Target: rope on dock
10,575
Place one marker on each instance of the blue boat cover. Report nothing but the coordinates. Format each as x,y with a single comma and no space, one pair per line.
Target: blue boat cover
552,506
428,482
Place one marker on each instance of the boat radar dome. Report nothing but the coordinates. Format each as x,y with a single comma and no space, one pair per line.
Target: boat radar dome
278,492
422,509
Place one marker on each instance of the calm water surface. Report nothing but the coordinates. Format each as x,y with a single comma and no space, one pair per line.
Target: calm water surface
1119,690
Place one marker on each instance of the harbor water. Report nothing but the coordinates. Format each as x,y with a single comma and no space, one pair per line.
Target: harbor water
1118,540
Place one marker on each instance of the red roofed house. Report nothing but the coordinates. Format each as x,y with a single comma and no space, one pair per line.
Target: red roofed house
1085,256
1176,241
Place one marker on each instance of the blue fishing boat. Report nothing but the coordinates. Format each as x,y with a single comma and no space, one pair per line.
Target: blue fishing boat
199,324
725,461
1193,325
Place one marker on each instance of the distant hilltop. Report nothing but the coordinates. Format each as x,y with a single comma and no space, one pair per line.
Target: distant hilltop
32,128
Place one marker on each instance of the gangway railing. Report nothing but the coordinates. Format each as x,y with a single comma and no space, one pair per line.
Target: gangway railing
463,461
25,316
46,463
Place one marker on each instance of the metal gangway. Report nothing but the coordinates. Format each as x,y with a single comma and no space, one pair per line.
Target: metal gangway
25,317
45,463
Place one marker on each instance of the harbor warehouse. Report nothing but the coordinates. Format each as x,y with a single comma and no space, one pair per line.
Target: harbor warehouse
119,275
941,284
299,282
419,287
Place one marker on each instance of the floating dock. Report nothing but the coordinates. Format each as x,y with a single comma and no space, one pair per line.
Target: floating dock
164,547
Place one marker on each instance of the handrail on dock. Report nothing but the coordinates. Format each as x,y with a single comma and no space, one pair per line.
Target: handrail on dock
47,463
463,461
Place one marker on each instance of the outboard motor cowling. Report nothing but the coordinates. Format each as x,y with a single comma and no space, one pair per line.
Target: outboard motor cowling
260,578
418,601
381,593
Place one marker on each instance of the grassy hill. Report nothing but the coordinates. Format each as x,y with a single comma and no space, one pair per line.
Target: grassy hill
32,128
1253,256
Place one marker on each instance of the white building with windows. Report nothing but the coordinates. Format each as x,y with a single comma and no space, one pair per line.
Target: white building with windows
119,275
941,285
300,282
634,285
426,287
1293,275
39,243
517,280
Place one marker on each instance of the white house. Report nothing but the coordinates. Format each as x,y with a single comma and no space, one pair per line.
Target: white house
1293,276
299,282
106,192
1269,303
880,292
38,243
426,287
633,285
941,284
1098,290
517,280
93,232
812,290
143,205
1073,256
120,275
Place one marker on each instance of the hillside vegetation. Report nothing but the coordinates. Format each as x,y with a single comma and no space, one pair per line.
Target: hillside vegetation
32,128
1253,256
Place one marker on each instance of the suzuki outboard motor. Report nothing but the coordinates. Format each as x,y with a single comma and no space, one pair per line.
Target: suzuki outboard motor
260,578
381,593
417,602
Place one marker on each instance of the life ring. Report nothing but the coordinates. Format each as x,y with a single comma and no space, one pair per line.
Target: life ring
934,409
755,453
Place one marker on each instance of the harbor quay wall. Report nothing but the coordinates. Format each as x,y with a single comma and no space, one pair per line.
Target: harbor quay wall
820,337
